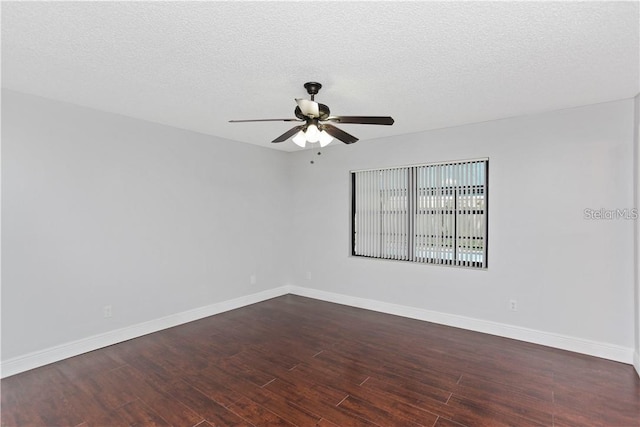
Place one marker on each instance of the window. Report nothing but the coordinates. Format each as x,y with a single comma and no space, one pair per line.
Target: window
432,213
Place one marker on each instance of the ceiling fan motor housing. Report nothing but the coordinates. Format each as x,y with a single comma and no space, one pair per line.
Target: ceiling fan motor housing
322,109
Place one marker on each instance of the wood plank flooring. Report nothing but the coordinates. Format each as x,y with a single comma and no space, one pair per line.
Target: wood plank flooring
297,361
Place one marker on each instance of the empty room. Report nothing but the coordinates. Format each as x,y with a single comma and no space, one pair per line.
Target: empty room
305,213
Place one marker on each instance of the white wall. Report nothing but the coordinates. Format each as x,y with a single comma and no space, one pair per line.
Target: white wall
570,276
103,209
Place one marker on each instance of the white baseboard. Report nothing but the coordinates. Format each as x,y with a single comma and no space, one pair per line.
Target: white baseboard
53,354
564,342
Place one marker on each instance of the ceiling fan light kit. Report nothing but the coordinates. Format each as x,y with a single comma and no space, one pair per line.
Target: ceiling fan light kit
313,113
312,133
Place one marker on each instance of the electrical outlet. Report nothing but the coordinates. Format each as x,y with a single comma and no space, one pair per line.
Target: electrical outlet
106,311
308,275
253,279
513,305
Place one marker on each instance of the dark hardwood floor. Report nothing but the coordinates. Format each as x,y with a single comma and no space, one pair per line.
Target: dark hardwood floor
298,361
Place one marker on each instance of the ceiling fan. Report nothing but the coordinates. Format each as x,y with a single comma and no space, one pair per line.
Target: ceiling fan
315,115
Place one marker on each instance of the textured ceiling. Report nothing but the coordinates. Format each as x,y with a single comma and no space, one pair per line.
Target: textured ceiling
196,65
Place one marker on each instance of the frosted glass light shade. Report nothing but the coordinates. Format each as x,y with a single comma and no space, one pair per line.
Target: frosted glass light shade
300,139
313,134
325,139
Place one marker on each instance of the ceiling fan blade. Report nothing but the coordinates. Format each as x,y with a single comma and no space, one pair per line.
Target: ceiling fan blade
364,120
308,108
339,134
265,120
288,134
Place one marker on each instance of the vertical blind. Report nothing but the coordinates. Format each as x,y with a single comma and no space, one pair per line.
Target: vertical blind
432,213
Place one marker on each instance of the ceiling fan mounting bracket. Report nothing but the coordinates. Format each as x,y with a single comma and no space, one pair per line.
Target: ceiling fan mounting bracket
312,88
